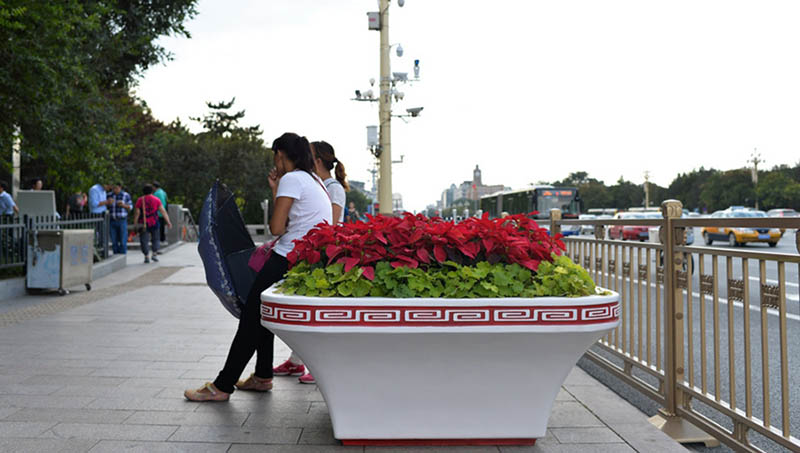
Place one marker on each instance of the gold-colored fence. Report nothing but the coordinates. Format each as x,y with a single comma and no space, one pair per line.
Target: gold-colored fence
710,334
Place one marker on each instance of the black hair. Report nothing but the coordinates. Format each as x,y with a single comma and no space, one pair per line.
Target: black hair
147,189
297,149
156,184
119,184
4,185
324,152
35,180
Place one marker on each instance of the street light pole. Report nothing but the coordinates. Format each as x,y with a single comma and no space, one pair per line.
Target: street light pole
385,116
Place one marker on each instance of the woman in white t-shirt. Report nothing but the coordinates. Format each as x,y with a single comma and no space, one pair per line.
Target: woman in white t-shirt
324,161
300,202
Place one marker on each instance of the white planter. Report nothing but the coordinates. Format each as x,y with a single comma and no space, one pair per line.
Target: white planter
474,370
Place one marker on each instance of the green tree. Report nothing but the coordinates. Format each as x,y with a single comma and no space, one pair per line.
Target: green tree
778,190
359,199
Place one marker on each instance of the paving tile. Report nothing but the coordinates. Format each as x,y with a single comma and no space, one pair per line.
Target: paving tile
6,412
138,372
563,395
579,377
241,448
607,405
24,429
236,404
233,434
112,432
645,437
600,435
144,404
187,418
32,389
115,446
315,420
40,401
104,391
318,436
70,415
571,414
46,445
85,381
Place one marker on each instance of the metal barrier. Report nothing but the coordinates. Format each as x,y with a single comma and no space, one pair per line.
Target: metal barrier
686,336
100,223
12,242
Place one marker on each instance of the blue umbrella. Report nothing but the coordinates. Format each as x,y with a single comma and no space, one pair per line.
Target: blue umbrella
225,247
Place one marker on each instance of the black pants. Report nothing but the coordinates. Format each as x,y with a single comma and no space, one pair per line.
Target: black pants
251,337
162,229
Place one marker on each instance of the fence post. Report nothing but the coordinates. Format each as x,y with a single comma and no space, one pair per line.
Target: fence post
667,419
555,217
106,232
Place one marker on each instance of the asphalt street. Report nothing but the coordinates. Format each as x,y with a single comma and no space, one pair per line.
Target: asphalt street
722,337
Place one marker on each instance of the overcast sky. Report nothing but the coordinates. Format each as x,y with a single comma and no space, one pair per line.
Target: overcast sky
528,90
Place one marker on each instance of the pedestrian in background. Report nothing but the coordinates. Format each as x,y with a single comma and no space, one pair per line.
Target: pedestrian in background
76,205
7,205
98,199
161,195
146,213
37,183
120,207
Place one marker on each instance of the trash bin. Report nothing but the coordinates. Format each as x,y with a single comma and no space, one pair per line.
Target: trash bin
59,259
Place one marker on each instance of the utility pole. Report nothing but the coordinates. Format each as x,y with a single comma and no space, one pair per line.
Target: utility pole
15,163
756,159
385,116
646,189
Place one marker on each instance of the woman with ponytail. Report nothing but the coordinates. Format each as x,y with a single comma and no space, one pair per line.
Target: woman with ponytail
324,161
300,202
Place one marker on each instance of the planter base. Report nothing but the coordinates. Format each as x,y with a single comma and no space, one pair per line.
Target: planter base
435,442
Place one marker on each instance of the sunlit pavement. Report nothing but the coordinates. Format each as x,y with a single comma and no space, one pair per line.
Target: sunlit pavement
105,370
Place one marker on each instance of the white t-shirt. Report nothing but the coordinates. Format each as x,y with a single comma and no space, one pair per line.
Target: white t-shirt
311,206
338,197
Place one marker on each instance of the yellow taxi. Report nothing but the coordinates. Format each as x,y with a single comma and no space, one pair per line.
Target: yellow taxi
740,236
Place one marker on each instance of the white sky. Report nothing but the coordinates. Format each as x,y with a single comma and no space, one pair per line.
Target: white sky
528,90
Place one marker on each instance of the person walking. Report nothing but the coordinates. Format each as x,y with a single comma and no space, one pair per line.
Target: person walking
119,209
161,195
300,202
147,209
324,161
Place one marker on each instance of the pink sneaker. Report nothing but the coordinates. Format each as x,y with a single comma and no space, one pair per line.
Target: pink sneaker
307,379
288,368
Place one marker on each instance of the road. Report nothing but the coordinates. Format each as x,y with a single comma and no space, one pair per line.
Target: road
736,360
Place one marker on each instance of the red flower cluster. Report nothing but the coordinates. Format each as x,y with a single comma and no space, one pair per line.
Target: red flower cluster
415,240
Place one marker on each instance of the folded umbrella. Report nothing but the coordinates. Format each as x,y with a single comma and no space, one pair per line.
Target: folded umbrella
225,247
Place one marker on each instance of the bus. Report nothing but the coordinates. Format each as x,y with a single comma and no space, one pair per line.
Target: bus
534,198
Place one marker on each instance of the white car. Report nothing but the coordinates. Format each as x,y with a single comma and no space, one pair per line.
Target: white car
587,229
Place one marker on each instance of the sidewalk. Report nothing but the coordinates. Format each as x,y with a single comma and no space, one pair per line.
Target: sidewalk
105,370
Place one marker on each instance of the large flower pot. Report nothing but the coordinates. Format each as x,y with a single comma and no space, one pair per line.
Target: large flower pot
438,371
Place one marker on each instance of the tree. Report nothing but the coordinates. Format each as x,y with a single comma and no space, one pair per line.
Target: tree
359,199
778,190
67,68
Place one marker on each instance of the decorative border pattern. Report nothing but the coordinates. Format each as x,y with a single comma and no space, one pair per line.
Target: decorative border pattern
395,316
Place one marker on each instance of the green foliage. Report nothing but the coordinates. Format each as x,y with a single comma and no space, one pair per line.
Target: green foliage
562,278
451,280
65,78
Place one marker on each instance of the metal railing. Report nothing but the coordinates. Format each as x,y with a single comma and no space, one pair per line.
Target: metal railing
100,223
12,242
690,339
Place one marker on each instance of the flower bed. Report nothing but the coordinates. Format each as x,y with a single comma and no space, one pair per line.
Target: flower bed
407,324
415,256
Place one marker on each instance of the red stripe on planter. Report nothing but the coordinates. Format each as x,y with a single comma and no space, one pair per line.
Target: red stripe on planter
436,442
405,316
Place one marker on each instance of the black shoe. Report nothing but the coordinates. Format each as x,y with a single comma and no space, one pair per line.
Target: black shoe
146,259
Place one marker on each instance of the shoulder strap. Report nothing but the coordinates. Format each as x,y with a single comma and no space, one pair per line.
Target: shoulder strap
315,178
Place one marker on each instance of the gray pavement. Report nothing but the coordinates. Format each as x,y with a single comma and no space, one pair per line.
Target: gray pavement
104,371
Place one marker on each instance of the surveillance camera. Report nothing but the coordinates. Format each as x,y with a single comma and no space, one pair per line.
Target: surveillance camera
400,3
414,111
372,81
399,50
358,94
368,94
400,76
